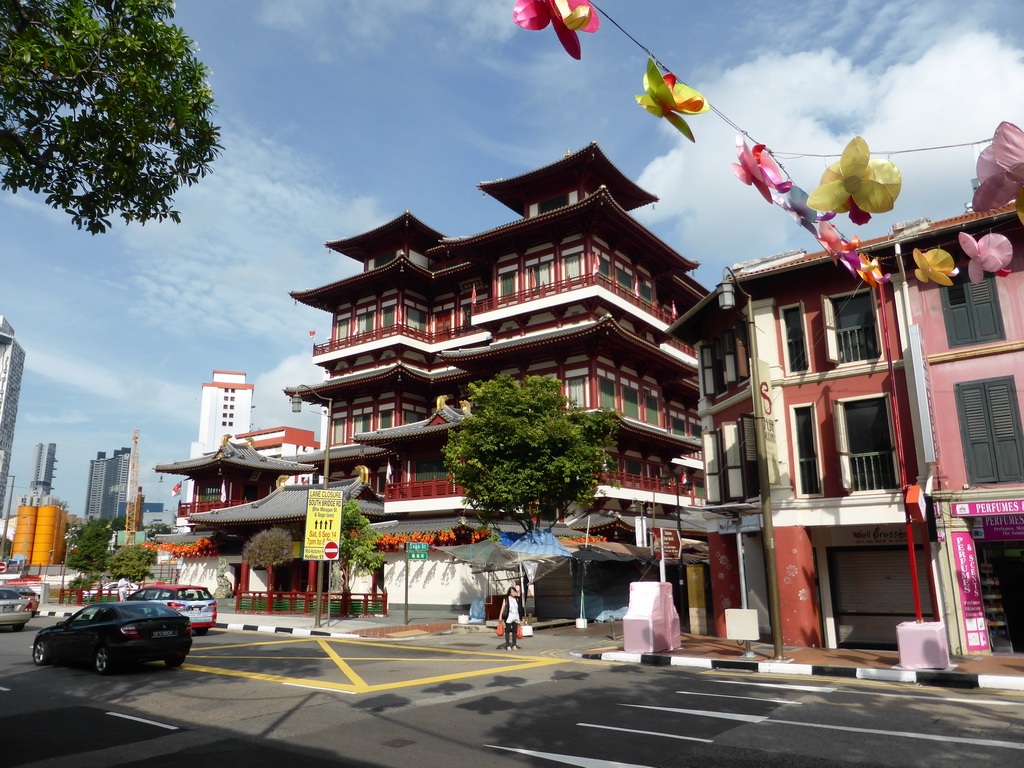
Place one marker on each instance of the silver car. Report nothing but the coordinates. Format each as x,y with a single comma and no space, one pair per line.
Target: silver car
15,610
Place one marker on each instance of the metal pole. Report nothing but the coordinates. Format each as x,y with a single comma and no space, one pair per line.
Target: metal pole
326,483
767,523
3,541
893,405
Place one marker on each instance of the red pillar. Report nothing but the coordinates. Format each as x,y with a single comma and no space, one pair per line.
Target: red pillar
725,577
311,576
243,585
798,592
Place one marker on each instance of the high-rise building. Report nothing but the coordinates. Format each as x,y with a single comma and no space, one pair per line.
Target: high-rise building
12,363
43,468
108,484
225,409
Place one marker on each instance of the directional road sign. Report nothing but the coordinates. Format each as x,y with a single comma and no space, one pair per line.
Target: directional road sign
417,550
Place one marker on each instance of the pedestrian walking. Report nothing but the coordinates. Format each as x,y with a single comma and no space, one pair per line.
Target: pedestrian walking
123,587
511,614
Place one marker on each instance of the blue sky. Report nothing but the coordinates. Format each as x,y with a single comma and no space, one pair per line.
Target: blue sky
338,116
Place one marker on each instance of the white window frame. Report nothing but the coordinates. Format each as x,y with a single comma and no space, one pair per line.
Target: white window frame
803,331
843,441
815,447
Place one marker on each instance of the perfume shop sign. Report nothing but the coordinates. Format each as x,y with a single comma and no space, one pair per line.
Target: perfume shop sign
979,508
999,528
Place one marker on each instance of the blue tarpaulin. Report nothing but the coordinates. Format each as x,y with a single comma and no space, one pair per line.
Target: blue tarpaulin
540,543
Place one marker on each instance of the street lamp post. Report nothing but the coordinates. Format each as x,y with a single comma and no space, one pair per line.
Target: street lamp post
759,393
297,408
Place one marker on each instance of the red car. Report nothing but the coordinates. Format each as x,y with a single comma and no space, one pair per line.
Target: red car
33,599
194,602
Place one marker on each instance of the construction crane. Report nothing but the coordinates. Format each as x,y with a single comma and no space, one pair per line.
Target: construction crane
133,505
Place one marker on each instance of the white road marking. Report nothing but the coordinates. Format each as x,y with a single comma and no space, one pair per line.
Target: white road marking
745,698
807,688
319,688
143,720
646,733
937,698
704,713
907,735
583,762
6,690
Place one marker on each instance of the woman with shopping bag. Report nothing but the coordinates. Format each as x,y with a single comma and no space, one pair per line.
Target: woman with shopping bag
509,617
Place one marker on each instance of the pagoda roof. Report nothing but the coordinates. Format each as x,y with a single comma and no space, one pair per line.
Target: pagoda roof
341,385
288,505
343,454
605,327
596,210
655,434
587,164
435,524
243,457
397,272
400,232
439,422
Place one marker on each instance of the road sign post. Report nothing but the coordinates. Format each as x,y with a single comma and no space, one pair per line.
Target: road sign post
414,550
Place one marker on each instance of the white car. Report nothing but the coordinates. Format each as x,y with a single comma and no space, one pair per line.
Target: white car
15,610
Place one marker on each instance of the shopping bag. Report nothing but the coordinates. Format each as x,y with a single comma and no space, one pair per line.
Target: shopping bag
519,631
501,628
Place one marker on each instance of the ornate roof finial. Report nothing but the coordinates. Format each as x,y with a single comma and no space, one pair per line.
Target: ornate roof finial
364,473
441,402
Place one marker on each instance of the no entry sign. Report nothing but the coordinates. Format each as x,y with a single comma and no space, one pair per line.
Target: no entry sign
331,550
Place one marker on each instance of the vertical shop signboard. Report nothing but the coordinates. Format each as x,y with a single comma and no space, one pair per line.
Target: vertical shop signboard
969,581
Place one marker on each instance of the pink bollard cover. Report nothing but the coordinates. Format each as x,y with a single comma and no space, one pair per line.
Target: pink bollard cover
922,646
651,623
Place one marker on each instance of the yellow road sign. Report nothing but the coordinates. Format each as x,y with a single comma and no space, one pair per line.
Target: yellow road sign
323,521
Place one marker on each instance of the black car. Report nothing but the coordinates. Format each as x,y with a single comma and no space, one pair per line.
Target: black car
109,634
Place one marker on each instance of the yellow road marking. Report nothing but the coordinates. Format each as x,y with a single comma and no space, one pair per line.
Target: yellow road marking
357,684
343,666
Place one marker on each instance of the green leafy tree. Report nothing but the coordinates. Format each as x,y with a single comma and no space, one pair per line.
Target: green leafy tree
133,563
103,108
267,549
118,523
525,449
89,552
357,551
156,529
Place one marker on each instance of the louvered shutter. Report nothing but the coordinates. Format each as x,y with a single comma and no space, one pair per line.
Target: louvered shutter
842,445
828,313
712,467
991,431
748,441
732,450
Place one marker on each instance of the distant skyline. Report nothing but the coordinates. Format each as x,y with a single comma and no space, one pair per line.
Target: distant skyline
338,116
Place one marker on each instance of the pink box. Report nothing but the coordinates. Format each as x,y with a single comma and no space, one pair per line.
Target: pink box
922,646
651,622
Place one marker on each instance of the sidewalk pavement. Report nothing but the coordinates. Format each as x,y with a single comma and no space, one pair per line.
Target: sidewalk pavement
603,642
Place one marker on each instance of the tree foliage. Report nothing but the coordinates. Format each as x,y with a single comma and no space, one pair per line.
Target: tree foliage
133,563
268,548
526,449
104,108
357,552
157,528
89,552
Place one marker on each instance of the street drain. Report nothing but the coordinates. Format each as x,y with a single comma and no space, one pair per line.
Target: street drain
396,743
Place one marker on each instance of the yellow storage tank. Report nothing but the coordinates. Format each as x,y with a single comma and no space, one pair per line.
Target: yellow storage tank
26,531
47,537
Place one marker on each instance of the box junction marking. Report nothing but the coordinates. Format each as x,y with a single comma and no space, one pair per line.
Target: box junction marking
345,653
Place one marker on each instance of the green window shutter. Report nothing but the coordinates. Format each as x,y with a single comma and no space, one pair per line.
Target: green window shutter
607,392
971,312
990,429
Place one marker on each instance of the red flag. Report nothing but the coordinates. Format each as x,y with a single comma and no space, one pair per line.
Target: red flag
312,334
473,297
387,473
176,490
673,309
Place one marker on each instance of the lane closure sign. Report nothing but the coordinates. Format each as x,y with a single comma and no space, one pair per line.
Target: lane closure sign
323,523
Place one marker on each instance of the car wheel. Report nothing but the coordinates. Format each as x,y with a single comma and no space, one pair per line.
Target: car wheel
201,630
101,661
174,661
41,655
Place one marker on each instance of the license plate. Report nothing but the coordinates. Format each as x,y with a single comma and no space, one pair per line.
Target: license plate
165,633
196,609
9,608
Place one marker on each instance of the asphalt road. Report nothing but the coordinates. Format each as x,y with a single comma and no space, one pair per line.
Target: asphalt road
263,700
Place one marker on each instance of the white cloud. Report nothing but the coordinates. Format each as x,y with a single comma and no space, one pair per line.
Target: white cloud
956,91
250,233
